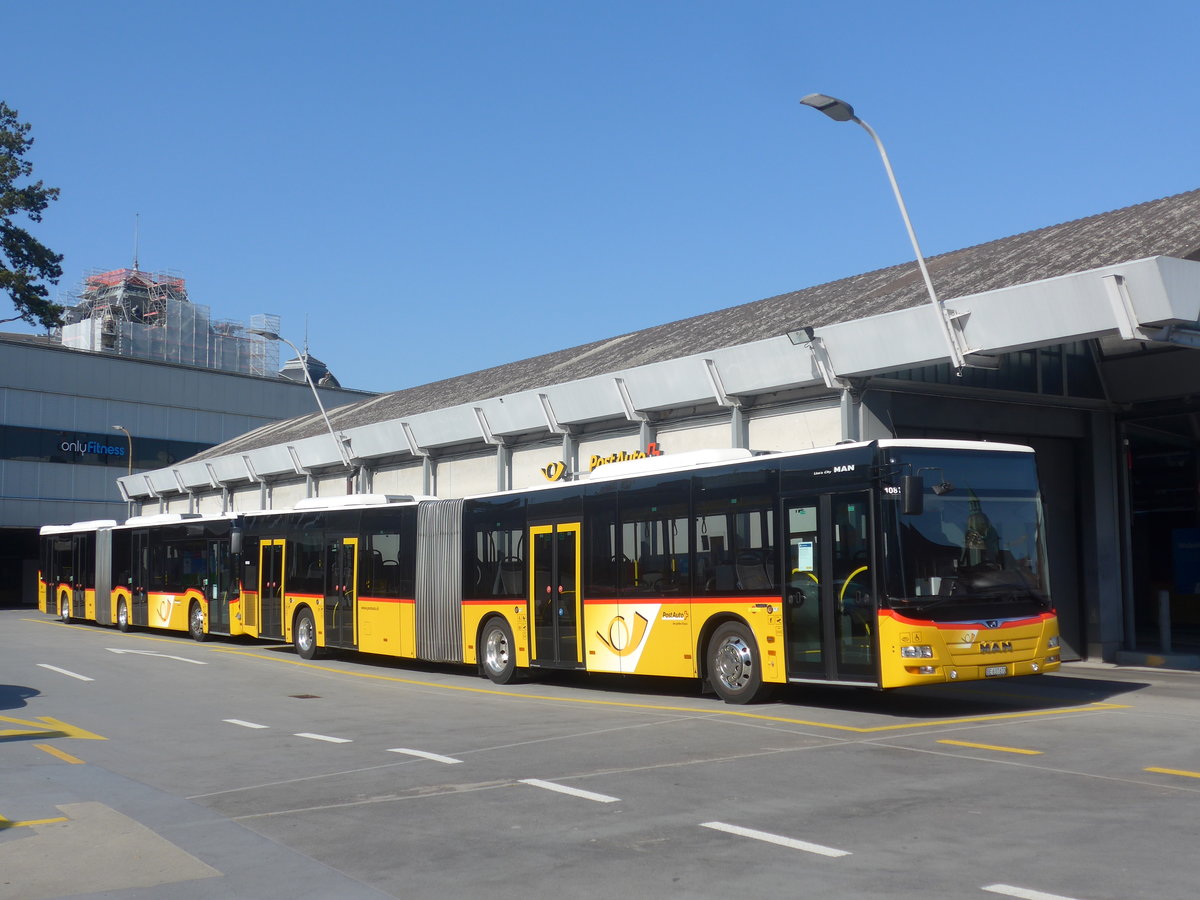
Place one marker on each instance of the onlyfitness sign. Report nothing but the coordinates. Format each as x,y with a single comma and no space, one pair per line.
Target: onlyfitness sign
90,447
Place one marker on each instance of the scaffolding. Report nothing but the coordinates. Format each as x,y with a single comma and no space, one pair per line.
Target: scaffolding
147,315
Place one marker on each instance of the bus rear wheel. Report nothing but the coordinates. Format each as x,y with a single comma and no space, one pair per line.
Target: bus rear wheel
122,616
196,622
734,665
498,659
64,608
304,635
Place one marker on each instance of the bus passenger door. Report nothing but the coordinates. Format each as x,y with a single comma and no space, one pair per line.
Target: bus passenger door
218,586
83,567
139,579
341,577
831,611
270,588
554,578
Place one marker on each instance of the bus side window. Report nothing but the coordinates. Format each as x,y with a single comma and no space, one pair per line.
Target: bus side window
250,564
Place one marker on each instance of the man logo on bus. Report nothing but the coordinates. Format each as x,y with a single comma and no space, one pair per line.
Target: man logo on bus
619,639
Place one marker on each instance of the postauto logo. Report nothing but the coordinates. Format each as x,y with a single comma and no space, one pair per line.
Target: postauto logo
91,447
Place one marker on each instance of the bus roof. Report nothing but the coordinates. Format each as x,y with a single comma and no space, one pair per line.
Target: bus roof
650,464
162,518
356,500
92,525
937,444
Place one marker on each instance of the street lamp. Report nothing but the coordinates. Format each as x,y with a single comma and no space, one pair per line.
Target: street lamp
337,439
129,438
841,111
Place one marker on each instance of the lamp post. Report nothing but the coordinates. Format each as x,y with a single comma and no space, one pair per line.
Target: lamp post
337,440
129,439
840,111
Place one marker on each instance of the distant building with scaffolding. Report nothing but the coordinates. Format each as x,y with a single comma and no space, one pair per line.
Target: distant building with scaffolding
147,315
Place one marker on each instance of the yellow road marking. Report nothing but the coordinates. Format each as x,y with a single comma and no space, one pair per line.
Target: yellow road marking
45,727
876,729
993,747
1182,772
8,823
65,757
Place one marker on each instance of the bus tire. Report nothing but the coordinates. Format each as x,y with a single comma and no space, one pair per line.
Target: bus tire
196,622
735,666
304,634
498,657
64,608
122,616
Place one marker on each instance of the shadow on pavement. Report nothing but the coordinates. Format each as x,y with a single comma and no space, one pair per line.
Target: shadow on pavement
13,696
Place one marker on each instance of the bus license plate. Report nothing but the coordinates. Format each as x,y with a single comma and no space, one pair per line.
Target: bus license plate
991,671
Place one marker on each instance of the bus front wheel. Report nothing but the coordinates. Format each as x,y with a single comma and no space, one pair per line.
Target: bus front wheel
304,635
734,665
498,658
196,622
122,616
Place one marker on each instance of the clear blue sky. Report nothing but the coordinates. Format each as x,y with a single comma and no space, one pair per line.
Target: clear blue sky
439,187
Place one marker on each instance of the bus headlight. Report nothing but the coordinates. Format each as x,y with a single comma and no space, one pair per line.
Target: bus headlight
1053,642
922,651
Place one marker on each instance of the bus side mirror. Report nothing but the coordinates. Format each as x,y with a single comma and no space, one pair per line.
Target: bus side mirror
235,541
914,495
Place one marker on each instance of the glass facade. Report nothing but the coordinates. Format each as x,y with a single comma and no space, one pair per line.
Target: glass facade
83,448
1065,370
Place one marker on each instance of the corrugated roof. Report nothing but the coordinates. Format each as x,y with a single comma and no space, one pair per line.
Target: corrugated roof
1166,227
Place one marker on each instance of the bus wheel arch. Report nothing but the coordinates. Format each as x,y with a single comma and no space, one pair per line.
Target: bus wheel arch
304,633
196,621
498,651
733,663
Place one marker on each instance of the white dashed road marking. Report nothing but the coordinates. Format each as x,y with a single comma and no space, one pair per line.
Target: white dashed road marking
448,760
65,672
323,737
574,792
775,839
1023,893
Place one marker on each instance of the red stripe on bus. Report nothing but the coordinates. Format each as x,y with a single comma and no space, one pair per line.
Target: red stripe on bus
694,601
905,620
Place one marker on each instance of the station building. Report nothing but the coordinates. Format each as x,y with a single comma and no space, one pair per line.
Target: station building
139,379
1080,339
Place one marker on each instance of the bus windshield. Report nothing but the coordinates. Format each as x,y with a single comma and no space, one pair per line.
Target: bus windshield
976,549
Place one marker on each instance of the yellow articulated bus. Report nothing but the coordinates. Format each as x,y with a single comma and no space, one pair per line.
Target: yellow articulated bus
881,564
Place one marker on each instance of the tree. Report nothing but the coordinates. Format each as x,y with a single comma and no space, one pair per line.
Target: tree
25,262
